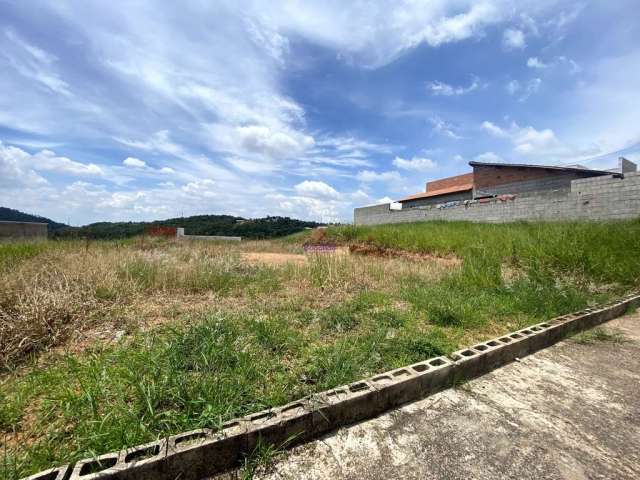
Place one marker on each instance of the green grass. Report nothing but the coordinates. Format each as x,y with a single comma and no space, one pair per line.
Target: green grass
603,252
261,458
13,253
287,332
200,375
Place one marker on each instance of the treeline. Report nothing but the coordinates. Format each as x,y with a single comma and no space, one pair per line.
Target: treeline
267,227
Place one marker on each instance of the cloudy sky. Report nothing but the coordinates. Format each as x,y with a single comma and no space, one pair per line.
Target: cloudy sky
147,110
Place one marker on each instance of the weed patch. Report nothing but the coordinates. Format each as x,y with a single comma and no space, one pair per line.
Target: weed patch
599,334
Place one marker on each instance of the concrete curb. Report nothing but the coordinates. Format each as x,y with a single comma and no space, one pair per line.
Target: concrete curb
200,453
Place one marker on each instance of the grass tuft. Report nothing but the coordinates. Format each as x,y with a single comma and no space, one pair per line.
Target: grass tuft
599,334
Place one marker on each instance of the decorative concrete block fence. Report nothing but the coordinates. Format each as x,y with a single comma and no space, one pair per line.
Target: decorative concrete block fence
201,453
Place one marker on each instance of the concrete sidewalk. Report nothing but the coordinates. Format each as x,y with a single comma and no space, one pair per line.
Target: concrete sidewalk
571,411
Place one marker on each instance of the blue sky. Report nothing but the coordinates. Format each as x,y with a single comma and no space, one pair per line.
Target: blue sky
149,110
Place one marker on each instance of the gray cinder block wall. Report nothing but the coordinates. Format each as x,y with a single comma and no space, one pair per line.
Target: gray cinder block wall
181,236
22,230
598,198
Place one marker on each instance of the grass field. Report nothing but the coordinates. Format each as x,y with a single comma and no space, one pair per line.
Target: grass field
110,344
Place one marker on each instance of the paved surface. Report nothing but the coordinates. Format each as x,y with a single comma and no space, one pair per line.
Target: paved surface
571,412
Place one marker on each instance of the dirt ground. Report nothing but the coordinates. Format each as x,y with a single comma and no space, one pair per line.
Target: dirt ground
568,412
277,259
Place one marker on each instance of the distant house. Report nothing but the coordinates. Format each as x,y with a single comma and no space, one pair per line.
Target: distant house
492,179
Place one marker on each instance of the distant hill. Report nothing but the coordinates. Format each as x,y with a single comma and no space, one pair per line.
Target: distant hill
267,227
11,215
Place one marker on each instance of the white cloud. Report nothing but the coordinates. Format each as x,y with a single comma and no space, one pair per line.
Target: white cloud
416,163
272,42
532,87
134,162
494,129
513,39
534,62
373,35
560,61
261,139
359,196
530,142
20,166
443,89
574,67
16,169
384,200
200,188
314,188
512,87
121,200
444,128
351,147
158,142
33,63
49,161
368,176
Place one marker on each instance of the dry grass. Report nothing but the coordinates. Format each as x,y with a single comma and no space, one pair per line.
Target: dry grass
73,294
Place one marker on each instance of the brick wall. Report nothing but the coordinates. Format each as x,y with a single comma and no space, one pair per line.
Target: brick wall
489,179
421,202
597,198
22,230
449,182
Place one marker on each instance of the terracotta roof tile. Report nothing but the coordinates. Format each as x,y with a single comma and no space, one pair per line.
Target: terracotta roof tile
456,188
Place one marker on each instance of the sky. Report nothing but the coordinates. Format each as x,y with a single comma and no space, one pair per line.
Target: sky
144,110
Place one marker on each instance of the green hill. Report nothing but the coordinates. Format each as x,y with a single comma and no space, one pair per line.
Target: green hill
267,227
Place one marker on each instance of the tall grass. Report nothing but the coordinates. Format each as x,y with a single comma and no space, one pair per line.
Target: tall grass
12,253
603,252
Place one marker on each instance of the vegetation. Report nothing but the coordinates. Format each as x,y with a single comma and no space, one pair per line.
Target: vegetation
268,227
113,343
591,252
599,334
258,228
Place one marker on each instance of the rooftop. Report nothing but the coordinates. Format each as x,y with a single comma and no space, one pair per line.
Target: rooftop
566,168
456,188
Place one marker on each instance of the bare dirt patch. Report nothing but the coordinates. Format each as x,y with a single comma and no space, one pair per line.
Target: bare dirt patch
378,251
277,258
267,258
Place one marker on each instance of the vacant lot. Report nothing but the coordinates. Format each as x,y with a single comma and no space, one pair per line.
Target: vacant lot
109,344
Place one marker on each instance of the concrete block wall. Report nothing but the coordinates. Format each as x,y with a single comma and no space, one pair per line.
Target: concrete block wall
23,230
599,198
181,236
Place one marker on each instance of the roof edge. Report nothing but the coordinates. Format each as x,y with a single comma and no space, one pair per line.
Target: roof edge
473,163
